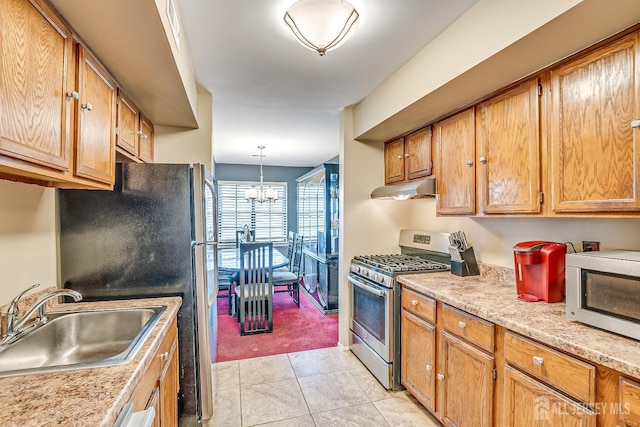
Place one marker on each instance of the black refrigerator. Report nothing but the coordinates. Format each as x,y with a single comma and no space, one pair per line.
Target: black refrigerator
152,236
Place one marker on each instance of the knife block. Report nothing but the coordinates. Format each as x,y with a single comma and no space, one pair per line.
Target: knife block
468,266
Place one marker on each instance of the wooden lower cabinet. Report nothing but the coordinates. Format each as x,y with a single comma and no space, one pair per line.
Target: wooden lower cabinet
465,382
418,361
159,386
530,403
469,372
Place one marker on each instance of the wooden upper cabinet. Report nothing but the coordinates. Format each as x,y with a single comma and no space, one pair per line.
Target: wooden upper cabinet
96,121
408,157
128,124
454,143
394,161
595,162
36,49
146,140
417,148
508,151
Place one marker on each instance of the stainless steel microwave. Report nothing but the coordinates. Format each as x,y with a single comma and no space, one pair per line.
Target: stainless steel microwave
603,290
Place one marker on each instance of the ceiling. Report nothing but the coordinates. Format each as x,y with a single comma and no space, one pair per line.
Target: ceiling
268,89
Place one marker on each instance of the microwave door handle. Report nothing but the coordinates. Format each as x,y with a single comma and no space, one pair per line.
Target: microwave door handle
365,287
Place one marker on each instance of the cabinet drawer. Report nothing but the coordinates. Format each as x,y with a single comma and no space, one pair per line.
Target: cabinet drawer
420,305
469,327
630,402
559,370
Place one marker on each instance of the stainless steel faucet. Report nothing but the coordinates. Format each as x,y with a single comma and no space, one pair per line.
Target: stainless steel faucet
11,316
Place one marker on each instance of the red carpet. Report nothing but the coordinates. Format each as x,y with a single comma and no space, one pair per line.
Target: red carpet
294,329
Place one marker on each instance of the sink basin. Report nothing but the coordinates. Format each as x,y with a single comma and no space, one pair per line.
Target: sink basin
79,340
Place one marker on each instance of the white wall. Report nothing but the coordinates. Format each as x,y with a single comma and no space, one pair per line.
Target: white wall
182,145
27,238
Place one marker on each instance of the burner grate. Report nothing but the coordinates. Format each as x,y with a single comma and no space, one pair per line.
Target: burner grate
400,263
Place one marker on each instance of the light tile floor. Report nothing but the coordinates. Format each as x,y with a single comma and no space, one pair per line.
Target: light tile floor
326,387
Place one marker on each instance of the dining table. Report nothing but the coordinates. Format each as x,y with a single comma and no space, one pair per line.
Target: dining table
229,259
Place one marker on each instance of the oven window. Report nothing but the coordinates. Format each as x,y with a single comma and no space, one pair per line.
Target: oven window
614,294
369,312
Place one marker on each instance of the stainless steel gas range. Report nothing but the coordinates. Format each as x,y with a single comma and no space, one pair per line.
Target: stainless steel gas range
375,299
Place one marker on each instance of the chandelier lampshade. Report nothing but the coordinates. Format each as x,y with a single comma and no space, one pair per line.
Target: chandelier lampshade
321,25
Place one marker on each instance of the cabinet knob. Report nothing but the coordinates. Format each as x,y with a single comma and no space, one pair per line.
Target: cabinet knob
428,367
164,356
538,360
462,325
144,136
483,160
139,133
469,163
440,377
73,95
399,157
414,302
87,106
635,124
406,155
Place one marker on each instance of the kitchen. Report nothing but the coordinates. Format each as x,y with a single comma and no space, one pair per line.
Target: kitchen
28,243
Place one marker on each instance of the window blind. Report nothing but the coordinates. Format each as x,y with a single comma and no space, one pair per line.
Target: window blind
268,219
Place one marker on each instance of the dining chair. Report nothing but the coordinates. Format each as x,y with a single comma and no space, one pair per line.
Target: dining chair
290,243
289,281
254,294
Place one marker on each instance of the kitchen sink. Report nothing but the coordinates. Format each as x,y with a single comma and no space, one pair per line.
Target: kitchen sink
80,340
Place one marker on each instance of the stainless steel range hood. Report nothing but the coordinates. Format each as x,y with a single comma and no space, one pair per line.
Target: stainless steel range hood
418,189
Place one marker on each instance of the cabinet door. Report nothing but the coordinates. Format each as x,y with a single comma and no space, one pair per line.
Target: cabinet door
394,161
508,142
454,140
418,153
595,161
418,359
154,402
169,388
530,403
466,384
128,124
146,140
35,54
95,135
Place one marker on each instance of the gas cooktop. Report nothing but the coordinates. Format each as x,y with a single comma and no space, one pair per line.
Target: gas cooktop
395,263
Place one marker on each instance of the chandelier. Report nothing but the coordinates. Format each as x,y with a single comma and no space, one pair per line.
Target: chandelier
321,25
260,195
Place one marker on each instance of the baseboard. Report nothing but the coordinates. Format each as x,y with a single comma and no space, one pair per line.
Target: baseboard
342,347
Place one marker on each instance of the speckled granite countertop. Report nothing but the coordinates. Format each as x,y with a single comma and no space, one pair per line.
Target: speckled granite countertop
496,301
88,397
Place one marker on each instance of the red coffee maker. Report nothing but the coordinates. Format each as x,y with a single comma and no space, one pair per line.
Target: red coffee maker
540,270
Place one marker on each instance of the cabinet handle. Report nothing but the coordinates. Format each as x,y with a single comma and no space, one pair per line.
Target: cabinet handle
483,160
414,302
164,356
73,95
538,360
87,106
428,367
469,163
635,124
462,325
440,377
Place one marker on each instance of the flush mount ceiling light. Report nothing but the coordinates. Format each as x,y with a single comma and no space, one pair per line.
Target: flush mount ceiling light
260,195
321,25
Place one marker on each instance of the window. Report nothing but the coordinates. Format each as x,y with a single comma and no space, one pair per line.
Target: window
268,219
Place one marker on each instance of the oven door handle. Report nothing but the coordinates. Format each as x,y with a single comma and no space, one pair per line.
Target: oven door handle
367,288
